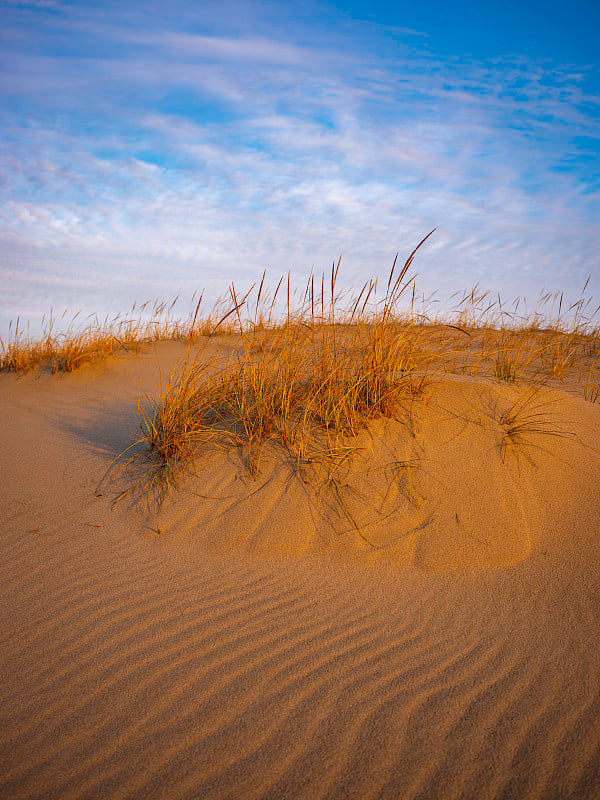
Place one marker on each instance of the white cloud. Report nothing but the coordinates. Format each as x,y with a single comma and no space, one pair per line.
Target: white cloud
306,155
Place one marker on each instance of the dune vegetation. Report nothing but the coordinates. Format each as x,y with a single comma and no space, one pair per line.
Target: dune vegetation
310,378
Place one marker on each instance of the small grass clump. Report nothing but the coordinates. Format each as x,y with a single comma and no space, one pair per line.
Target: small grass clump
524,422
591,391
505,368
511,355
558,355
310,384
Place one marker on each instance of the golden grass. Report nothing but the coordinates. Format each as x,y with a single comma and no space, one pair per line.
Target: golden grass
591,391
97,339
309,380
309,384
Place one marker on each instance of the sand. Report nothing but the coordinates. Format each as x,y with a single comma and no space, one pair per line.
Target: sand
260,646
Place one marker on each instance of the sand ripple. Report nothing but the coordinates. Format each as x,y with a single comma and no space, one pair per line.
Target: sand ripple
139,666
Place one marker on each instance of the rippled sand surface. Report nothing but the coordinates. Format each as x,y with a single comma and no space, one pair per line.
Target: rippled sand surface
256,648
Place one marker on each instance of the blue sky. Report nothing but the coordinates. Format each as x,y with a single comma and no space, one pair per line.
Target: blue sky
150,149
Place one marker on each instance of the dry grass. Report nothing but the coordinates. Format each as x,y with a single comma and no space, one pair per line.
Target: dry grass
97,339
522,425
310,380
511,355
310,384
592,384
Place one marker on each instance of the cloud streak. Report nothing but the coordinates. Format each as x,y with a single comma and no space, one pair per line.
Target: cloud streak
172,160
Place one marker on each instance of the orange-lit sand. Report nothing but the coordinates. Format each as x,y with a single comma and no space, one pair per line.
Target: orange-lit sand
259,647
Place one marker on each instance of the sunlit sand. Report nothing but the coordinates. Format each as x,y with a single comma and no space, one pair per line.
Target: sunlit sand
322,585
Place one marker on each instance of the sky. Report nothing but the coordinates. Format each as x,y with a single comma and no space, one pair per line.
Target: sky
153,149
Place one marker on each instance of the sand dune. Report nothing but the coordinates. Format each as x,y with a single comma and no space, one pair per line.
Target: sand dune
433,635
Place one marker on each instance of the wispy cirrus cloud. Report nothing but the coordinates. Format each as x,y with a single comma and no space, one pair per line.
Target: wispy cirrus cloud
172,159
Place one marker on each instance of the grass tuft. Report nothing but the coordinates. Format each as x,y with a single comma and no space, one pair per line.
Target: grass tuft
524,422
310,383
309,380
592,384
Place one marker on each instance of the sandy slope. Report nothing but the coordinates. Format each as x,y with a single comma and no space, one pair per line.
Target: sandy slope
259,647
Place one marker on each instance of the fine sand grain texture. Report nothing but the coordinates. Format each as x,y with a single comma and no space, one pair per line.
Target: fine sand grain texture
427,627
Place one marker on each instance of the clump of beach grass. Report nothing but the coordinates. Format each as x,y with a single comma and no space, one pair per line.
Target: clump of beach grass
309,384
525,421
591,391
95,340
